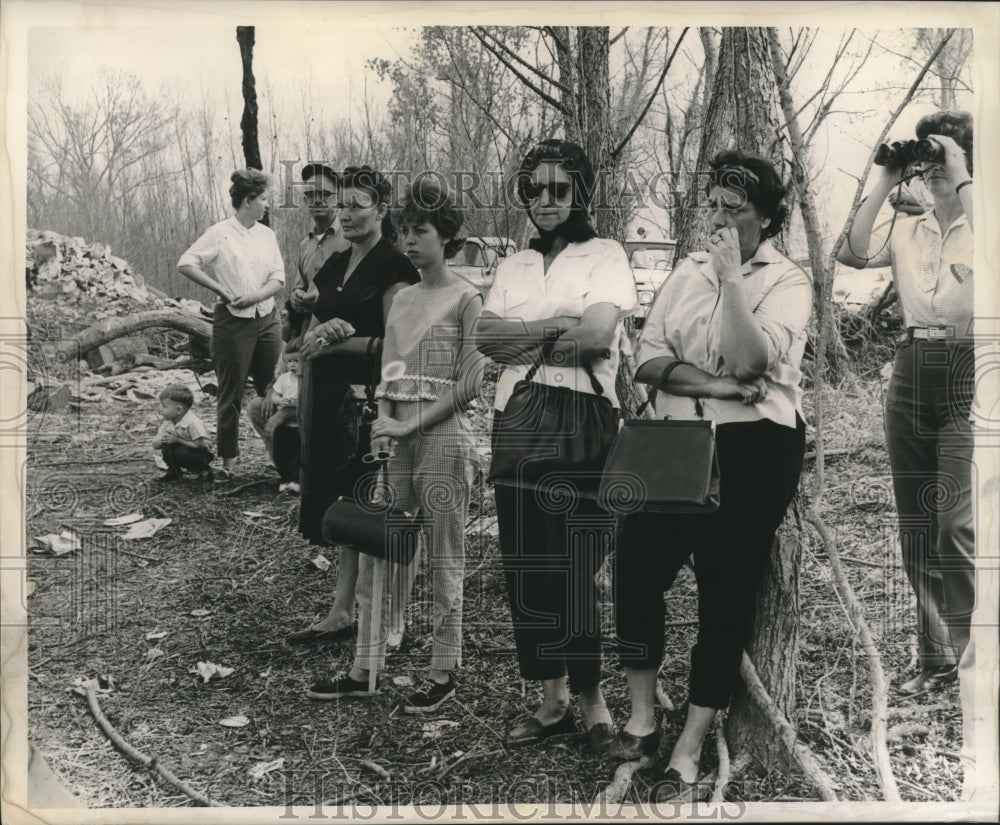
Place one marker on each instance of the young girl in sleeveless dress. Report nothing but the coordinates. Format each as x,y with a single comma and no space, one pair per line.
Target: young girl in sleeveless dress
431,372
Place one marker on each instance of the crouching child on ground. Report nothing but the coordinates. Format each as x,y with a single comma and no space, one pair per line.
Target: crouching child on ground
182,438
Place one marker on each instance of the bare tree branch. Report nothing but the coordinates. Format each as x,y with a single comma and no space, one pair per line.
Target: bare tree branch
645,109
546,97
480,33
617,37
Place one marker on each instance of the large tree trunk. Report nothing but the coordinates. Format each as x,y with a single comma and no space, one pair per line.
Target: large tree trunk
742,114
112,328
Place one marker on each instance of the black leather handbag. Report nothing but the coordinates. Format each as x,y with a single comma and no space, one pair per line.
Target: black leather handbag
373,529
553,438
662,466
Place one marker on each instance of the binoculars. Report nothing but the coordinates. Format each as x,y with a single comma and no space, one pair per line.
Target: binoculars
904,152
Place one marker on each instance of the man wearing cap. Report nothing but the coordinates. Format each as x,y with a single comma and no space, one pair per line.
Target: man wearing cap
320,198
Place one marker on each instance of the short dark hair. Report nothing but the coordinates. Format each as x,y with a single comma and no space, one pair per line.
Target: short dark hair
179,393
430,202
954,123
247,183
756,179
312,169
369,180
573,159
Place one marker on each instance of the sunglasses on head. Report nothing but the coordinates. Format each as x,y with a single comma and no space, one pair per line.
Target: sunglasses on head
558,190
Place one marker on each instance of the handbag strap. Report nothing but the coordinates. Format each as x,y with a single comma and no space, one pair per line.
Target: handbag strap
598,389
651,395
374,353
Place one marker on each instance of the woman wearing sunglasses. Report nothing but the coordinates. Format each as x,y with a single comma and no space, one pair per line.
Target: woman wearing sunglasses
340,349
431,372
566,296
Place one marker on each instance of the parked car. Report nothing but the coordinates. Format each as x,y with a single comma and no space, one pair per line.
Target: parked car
651,262
478,260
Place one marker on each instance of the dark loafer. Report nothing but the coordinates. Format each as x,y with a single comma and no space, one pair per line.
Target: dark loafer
531,731
311,636
669,787
930,679
630,747
601,736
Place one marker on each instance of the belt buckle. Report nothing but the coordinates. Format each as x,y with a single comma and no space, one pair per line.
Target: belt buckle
937,333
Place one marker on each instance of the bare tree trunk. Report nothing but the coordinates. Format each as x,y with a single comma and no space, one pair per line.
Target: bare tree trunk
248,123
741,114
567,76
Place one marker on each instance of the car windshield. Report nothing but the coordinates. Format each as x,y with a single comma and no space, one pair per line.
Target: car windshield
472,255
652,257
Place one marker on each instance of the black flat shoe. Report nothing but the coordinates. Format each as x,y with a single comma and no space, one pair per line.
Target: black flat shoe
310,635
629,747
669,787
601,736
929,679
531,731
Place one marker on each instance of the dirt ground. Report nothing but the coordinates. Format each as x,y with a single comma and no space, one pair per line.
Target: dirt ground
229,577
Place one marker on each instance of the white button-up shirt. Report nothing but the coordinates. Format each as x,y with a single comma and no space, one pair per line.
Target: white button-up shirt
583,274
685,322
933,274
241,259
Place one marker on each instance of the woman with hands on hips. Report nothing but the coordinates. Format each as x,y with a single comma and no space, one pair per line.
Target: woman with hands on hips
723,341
244,257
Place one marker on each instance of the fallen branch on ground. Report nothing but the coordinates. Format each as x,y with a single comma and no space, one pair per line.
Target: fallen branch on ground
722,749
880,701
798,753
112,328
614,793
88,691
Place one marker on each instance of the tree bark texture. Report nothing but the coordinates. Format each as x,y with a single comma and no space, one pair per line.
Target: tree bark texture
113,328
741,114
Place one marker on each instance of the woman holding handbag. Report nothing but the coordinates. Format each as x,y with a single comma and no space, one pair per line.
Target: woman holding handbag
723,341
553,319
340,349
431,372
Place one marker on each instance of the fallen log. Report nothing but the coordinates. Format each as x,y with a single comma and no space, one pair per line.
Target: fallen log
111,328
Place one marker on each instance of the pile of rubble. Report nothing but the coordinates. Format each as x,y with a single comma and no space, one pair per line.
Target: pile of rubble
76,283
74,286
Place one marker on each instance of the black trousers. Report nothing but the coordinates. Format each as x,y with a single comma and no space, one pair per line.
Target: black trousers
551,550
241,348
759,465
182,457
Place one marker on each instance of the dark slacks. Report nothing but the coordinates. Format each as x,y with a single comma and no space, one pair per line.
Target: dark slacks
241,348
182,457
759,465
930,443
551,550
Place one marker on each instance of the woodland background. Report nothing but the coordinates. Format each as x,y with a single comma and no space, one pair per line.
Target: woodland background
145,170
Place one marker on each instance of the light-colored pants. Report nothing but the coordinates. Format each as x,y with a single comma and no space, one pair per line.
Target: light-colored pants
431,472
